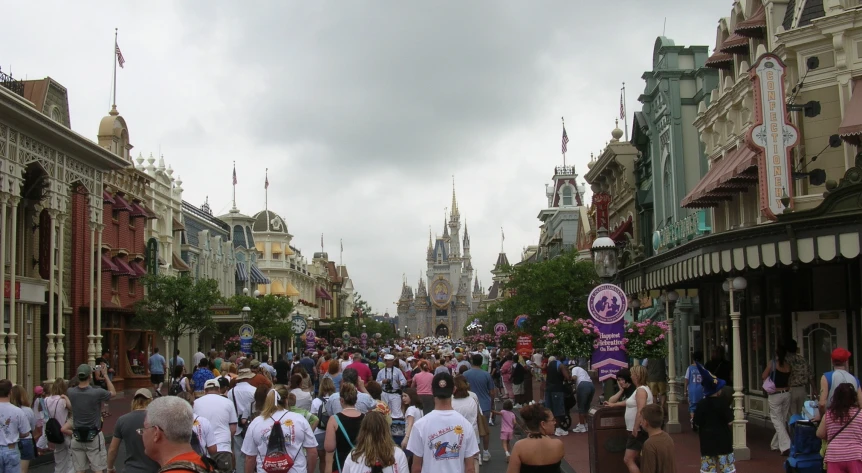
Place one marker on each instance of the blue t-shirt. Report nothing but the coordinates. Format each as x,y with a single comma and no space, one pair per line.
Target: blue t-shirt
481,384
157,364
695,388
201,376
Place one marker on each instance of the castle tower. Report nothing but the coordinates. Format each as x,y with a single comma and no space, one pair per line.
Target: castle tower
454,227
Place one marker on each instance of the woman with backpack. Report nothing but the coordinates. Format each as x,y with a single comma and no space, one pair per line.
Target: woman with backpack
375,449
342,429
275,439
318,408
57,408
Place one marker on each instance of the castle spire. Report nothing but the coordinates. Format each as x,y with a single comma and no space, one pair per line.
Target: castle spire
455,213
466,237
445,229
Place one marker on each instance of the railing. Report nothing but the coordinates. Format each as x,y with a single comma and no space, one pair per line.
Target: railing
7,81
564,170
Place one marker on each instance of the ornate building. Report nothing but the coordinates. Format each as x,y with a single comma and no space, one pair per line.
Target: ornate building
442,306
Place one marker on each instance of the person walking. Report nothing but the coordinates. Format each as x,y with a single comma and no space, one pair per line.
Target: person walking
634,404
555,395
801,379
167,433
392,379
712,417
519,379
58,406
443,440
298,435
832,379
88,441
126,433
539,452
26,446
778,370
157,371
375,452
657,454
422,383
842,429
482,385
15,427
219,411
467,404
693,386
342,428
506,376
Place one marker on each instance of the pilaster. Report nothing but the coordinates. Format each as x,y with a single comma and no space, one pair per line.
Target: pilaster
12,365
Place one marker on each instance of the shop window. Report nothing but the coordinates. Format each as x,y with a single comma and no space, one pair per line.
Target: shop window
773,336
115,283
757,355
133,286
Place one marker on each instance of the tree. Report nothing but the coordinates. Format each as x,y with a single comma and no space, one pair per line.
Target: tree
177,306
270,315
359,304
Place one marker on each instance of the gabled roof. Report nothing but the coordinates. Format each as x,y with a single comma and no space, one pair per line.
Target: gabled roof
502,261
332,271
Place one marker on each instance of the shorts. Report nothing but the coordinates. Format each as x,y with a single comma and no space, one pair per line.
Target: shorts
637,443
844,467
658,388
518,389
506,436
321,437
92,455
555,401
717,464
27,449
157,378
584,393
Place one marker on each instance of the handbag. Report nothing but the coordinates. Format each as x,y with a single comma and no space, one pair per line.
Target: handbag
769,383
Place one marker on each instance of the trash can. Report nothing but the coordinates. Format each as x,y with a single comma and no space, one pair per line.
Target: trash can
607,439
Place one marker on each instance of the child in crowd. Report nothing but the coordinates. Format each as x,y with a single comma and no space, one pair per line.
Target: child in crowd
507,427
693,386
657,454
712,418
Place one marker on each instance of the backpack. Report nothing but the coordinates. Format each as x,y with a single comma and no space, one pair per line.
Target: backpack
323,414
517,374
277,460
190,466
176,388
196,442
52,430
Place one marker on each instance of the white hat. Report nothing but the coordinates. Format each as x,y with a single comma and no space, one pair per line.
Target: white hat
389,357
410,358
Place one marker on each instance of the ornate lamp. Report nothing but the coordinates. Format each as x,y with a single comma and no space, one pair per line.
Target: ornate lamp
604,255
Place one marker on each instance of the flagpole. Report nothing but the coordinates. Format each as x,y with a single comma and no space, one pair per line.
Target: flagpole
564,132
626,113
114,57
502,240
234,184
266,191
341,254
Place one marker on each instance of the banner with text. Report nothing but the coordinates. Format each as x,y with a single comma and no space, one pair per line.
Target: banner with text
607,304
524,345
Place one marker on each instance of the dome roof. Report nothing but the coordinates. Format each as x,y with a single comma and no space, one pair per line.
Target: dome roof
269,222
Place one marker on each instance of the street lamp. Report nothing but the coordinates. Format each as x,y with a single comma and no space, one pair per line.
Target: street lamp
604,255
740,448
246,311
672,401
256,293
635,304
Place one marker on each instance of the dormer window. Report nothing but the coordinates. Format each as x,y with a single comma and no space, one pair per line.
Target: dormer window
567,195
56,115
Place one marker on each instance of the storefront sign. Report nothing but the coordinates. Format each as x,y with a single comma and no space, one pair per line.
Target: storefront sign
500,329
607,304
601,202
310,339
772,134
246,334
7,289
524,346
151,257
680,232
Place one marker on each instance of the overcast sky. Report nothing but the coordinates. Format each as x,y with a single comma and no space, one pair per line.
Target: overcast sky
361,110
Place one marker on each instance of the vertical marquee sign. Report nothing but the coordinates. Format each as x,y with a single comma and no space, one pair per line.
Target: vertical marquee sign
772,134
607,304
601,202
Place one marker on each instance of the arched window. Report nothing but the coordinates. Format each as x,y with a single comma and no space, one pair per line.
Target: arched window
567,195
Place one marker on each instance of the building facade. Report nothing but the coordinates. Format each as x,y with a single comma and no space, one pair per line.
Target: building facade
560,220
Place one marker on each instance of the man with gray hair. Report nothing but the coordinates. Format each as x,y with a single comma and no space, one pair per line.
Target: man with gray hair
167,434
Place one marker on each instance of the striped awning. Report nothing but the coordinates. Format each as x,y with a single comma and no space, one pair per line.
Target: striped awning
257,277
241,273
698,264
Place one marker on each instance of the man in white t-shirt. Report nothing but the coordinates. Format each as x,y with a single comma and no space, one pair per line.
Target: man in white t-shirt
219,411
15,427
443,441
241,398
392,379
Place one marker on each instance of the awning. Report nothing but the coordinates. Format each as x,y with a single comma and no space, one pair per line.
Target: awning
123,268
723,179
720,60
291,290
138,211
138,269
107,264
277,288
851,125
288,251
276,248
241,273
619,233
259,247
177,225
257,277
261,288
321,293
754,27
106,198
180,265
121,204
734,44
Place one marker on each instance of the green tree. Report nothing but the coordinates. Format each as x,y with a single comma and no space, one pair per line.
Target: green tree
177,306
359,304
270,315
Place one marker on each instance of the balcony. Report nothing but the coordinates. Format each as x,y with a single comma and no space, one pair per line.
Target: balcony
7,81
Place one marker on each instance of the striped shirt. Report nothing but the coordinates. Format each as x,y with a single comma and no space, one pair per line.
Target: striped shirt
844,447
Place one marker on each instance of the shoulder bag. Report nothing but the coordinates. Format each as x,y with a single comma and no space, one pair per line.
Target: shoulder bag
769,383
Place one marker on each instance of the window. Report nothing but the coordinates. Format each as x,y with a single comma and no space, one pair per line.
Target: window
773,336
757,355
133,286
567,195
115,283
56,115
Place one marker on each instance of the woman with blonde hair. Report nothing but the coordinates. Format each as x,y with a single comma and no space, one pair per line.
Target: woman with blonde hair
375,449
18,397
634,406
466,403
58,406
297,435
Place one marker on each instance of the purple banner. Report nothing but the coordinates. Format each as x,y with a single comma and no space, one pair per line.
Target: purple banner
609,357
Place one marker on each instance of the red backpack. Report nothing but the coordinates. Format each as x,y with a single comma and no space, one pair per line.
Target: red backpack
277,460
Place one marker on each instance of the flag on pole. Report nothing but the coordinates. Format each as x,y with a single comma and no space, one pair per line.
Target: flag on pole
565,139
321,242
342,245
266,182
120,59
234,173
622,104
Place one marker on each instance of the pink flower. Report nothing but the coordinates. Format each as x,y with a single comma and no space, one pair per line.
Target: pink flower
641,331
551,335
649,342
625,340
597,331
567,318
544,328
550,321
580,321
562,313
661,337
587,331
631,330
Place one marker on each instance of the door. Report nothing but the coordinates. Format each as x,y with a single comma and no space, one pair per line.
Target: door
818,333
442,331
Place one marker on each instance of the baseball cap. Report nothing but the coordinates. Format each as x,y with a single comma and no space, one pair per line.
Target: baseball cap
144,392
255,363
410,358
212,384
840,355
84,371
443,385
223,382
389,357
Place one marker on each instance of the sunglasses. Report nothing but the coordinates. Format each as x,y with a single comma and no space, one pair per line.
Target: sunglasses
144,429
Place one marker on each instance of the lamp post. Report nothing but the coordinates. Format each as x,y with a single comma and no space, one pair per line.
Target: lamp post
740,447
672,401
604,252
246,311
635,304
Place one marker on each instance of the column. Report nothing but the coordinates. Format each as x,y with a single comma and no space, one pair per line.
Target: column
95,265
51,350
12,367
672,400
98,328
740,447
61,348
4,202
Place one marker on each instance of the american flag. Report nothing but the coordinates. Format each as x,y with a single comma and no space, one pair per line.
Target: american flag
266,182
234,174
622,105
565,140
120,59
